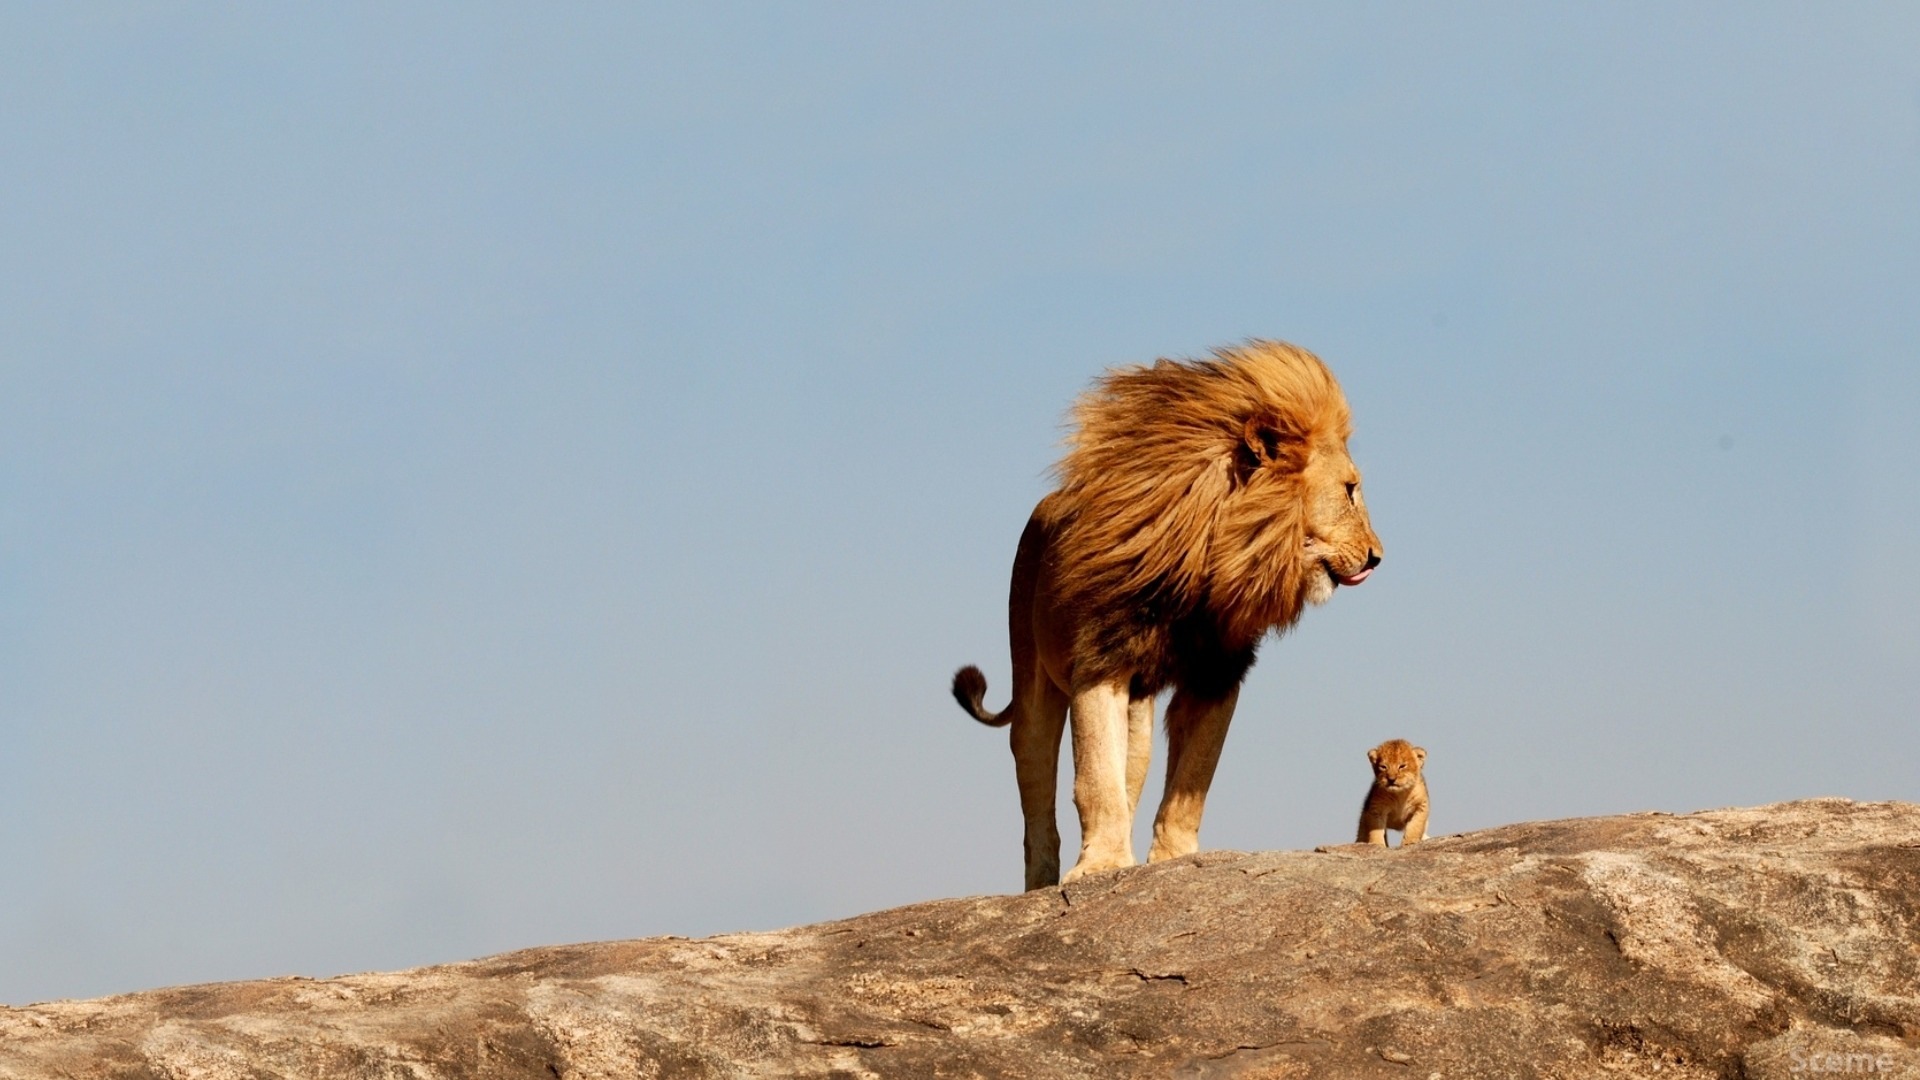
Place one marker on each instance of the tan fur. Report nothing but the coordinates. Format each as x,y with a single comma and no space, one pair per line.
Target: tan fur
1398,798
1201,505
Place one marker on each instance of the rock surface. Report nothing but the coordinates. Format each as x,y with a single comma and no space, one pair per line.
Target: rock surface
1782,941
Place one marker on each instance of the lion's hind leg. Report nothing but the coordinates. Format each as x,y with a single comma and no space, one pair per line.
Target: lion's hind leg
1035,737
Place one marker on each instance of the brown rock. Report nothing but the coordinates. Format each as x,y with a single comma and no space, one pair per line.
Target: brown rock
1782,941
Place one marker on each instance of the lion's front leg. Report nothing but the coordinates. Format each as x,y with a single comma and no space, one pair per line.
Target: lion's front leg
1139,751
1416,829
1196,730
1100,737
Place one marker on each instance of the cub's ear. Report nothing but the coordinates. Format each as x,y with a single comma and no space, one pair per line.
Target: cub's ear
1420,755
1373,756
1266,439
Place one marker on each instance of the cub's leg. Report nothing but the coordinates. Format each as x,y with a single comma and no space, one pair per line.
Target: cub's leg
1416,829
1139,750
1373,826
1100,777
1196,730
1036,766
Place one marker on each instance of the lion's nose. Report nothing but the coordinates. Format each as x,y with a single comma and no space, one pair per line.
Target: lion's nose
1373,560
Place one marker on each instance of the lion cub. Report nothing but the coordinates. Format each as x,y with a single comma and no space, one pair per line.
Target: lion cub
1399,796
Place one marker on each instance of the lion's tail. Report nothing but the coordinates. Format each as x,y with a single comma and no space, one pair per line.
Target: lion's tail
970,690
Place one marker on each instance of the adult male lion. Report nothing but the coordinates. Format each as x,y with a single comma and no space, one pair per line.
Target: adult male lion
1201,505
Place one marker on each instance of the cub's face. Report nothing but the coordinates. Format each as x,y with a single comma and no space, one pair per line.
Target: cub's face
1340,545
1396,764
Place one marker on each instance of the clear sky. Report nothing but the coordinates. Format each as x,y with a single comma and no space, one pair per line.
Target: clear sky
480,476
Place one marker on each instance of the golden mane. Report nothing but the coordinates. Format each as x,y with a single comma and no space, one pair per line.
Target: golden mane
1181,491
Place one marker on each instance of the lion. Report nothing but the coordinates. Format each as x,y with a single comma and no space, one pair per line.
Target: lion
1201,505
1398,797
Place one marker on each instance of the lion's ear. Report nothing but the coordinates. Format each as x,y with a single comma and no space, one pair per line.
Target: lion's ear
1420,755
1268,440
1373,756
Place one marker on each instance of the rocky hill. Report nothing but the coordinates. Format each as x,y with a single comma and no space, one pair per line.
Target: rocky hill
1782,941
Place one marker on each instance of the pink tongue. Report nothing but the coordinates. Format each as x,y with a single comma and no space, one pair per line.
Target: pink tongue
1357,578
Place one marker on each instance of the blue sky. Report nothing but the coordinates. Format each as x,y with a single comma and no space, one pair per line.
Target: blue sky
481,476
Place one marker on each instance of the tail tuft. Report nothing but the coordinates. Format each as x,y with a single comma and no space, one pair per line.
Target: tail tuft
970,690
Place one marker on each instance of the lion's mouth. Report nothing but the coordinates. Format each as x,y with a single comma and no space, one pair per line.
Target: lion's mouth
1349,579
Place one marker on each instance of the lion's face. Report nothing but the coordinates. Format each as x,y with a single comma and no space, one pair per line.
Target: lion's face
1396,764
1340,542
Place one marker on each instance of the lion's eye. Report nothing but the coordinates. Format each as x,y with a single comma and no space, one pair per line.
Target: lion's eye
1351,488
